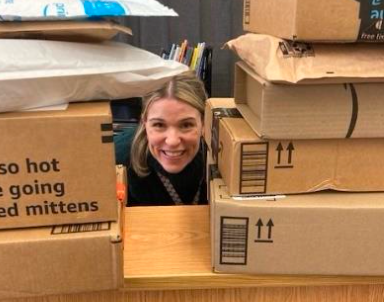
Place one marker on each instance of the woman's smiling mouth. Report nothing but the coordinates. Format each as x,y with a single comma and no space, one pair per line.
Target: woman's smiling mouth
173,154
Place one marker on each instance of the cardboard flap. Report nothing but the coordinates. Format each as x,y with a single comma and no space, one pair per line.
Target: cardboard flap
82,31
291,62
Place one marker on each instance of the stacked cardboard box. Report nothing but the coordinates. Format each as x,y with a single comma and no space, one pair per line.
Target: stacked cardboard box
282,143
323,20
61,221
56,258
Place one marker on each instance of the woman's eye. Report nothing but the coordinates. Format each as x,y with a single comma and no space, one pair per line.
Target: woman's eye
187,125
158,125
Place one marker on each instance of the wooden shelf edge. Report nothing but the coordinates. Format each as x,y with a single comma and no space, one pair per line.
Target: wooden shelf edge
206,281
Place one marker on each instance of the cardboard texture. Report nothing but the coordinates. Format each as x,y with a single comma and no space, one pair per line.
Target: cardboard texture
322,20
57,166
282,61
61,259
299,234
81,31
250,165
278,111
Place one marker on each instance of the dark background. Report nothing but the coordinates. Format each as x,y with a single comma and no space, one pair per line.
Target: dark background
212,21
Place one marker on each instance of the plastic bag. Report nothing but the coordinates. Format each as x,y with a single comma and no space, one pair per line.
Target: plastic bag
18,10
37,73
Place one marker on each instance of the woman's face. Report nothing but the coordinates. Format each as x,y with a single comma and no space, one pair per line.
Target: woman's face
173,129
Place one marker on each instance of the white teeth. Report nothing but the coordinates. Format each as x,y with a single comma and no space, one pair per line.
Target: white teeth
173,153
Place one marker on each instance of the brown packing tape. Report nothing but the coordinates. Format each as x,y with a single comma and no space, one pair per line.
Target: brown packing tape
63,30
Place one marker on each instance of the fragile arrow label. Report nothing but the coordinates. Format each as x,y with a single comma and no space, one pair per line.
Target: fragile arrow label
270,225
288,150
260,226
279,148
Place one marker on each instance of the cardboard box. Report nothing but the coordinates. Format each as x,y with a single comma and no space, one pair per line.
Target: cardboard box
81,31
322,20
282,111
291,62
57,167
61,259
317,234
250,165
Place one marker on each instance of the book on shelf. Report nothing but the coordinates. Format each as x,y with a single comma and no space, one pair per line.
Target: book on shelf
198,58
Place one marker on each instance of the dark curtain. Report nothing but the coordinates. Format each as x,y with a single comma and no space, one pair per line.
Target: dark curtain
211,21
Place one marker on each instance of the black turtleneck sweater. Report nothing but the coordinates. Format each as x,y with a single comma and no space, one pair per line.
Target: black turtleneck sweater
150,191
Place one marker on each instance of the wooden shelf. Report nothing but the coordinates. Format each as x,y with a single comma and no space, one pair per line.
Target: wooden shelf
169,248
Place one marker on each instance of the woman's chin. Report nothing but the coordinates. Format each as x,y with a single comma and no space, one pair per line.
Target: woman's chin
173,169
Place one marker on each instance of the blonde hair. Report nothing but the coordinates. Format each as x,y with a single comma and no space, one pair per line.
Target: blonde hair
186,88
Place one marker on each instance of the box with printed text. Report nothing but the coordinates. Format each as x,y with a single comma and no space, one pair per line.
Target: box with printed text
320,20
61,259
57,167
310,234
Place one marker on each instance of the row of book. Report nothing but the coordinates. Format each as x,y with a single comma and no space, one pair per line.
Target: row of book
198,58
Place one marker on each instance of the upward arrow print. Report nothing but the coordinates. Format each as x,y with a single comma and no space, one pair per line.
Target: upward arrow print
290,148
270,225
279,148
259,224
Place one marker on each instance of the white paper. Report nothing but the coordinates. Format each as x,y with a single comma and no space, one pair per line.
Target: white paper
19,10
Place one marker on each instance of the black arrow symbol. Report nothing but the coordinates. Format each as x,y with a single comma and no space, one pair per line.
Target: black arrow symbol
259,224
290,148
279,148
270,225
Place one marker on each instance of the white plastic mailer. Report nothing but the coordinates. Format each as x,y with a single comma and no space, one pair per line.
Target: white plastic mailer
19,10
37,73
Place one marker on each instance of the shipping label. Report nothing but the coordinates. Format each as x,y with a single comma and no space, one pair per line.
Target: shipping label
371,16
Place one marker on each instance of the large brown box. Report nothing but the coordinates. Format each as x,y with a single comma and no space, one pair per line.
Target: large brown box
313,111
57,167
320,233
61,259
320,20
250,165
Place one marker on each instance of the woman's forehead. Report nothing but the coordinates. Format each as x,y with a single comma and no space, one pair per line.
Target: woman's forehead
166,107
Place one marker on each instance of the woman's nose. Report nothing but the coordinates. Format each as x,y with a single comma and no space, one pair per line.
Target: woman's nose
173,137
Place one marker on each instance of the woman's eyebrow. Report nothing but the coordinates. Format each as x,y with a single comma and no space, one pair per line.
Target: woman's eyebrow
155,119
187,119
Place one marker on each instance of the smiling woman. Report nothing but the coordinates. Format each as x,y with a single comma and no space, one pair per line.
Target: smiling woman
167,158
